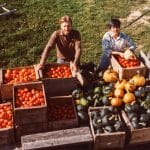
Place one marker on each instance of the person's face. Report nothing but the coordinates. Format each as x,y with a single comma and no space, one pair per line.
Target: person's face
115,31
66,27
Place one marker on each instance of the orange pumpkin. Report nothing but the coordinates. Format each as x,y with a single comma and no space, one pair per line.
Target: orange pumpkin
138,80
130,86
110,75
115,101
120,84
119,93
128,98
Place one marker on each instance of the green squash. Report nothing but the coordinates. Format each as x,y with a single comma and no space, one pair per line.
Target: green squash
97,90
83,101
105,100
77,93
109,129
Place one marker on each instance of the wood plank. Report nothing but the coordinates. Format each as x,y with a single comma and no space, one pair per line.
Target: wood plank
55,139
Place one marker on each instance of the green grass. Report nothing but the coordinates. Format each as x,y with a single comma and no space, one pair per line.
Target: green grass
24,35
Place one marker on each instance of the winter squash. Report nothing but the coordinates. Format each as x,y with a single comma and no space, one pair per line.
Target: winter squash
130,86
110,75
115,101
138,79
128,98
120,84
119,93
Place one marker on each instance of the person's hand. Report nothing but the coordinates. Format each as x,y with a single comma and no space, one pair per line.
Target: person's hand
39,66
128,54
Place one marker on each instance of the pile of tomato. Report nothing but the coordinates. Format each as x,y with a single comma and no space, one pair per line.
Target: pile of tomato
61,112
28,98
132,62
12,76
62,71
6,115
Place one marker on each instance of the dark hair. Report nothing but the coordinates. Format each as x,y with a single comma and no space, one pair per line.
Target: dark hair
114,23
65,19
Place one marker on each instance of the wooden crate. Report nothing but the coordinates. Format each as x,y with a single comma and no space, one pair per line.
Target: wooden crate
7,134
106,140
63,123
69,139
30,115
127,73
137,136
57,86
27,129
7,89
146,61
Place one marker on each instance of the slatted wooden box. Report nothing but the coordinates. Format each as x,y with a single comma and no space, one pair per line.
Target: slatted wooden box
33,114
106,140
59,106
7,134
146,61
7,88
57,86
137,136
127,73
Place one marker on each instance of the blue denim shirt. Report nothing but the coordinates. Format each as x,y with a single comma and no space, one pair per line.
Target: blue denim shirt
109,43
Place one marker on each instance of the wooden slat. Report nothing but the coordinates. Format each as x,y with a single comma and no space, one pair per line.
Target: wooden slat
57,138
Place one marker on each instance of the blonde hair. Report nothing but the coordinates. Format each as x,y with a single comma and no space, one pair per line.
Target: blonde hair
65,19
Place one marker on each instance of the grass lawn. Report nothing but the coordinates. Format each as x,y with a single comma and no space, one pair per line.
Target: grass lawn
24,35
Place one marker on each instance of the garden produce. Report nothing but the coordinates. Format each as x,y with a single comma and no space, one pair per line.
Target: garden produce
6,115
110,75
138,80
128,97
62,71
115,101
127,63
29,98
59,112
12,76
138,115
120,84
106,120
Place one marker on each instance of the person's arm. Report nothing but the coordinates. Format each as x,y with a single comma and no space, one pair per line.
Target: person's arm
106,45
47,48
77,53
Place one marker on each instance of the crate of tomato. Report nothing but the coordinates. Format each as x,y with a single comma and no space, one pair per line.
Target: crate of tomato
61,113
58,79
9,77
6,124
107,128
127,68
30,108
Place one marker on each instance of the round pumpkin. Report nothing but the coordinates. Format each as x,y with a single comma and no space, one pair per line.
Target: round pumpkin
115,101
128,98
110,75
120,84
119,93
130,86
138,80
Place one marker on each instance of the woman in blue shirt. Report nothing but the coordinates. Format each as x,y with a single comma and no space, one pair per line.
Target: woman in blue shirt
114,42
